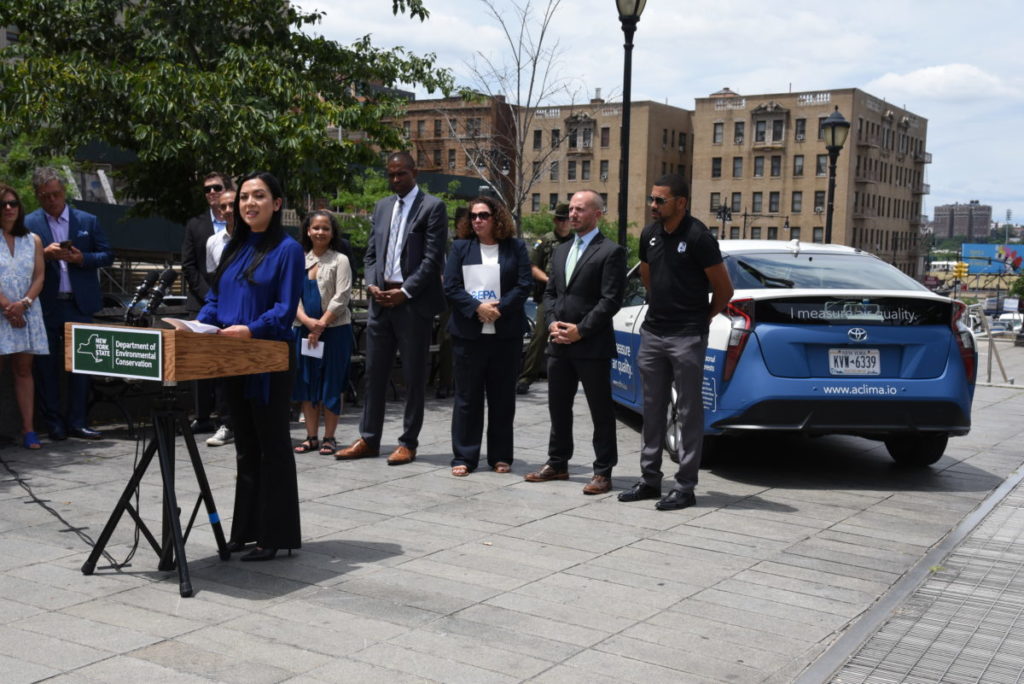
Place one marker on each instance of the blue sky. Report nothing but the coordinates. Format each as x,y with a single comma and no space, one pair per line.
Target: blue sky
957,64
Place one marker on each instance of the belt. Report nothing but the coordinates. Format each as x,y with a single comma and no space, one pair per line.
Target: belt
392,285
65,296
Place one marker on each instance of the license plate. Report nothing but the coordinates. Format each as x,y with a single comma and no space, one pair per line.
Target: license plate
854,362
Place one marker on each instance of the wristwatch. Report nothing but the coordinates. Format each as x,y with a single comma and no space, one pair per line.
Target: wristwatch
26,302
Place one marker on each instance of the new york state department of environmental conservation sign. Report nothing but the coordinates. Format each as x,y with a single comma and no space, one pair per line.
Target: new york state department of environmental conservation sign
118,352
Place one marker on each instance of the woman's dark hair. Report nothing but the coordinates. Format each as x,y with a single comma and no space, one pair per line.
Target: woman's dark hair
304,240
271,237
19,228
504,228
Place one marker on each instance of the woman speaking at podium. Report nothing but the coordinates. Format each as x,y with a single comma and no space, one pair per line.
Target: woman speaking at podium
255,294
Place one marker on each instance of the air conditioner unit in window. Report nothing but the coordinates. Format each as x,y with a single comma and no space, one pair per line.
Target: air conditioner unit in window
739,139
799,137
818,210
604,176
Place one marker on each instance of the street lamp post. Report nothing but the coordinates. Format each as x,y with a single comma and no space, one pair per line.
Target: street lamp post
629,15
835,129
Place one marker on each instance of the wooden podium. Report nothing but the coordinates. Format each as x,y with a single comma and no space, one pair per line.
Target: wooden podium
166,356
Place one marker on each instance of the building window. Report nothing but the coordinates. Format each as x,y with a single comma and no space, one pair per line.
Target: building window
421,158
821,165
734,233
406,129
821,131
757,203
773,202
819,201
536,171
716,167
588,138
758,167
437,158
778,130
755,232
716,201
537,137
585,170
760,131
451,159
737,167
773,232
421,129
776,165
554,171
664,136
570,172
606,136
682,141
798,165
794,233
604,198
737,202
552,201
437,128
716,137
556,137
737,132
604,169
819,234
800,129
681,170
797,202
535,202
473,128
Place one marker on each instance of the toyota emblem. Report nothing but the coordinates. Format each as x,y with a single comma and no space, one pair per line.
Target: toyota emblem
857,334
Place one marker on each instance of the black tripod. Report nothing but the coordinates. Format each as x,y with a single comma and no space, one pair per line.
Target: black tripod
167,420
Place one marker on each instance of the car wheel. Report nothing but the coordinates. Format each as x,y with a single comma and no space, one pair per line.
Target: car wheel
916,450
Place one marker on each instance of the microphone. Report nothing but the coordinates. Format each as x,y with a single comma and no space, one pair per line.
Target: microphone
141,291
167,278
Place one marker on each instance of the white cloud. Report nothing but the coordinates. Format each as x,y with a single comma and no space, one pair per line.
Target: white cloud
944,83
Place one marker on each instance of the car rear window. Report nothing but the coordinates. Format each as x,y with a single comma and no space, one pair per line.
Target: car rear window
838,310
816,271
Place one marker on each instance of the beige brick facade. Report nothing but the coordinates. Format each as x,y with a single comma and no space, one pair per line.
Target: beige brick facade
763,156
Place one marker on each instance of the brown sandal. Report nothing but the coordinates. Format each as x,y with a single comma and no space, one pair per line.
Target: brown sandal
460,471
501,467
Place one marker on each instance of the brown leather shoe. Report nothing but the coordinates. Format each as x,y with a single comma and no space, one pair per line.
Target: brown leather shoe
545,474
599,484
359,449
401,456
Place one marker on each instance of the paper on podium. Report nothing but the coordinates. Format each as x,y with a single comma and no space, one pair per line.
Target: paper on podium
192,326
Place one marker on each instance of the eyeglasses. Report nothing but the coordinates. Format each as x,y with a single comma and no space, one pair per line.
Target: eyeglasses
657,200
10,204
483,216
216,187
561,218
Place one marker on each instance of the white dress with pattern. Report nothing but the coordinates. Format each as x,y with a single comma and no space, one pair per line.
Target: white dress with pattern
15,279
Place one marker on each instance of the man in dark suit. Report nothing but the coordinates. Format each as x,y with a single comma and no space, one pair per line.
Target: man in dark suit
584,292
193,264
74,249
404,259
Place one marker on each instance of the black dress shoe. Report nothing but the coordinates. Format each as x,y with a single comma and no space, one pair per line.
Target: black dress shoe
200,426
259,554
85,433
523,388
235,547
58,434
675,500
639,492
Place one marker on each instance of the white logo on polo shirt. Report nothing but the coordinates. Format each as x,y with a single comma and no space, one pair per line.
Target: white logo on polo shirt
682,247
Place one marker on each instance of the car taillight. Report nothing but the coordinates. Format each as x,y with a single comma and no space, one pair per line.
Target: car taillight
964,341
741,314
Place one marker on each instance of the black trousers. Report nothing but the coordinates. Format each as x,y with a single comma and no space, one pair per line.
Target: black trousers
485,370
266,491
564,378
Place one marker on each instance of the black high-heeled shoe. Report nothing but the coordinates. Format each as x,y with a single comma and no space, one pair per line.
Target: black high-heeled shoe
259,554
235,547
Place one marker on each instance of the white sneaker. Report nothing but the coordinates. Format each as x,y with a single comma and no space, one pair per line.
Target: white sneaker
221,437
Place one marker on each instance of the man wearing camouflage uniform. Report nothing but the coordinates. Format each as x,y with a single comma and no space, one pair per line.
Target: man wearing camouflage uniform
533,363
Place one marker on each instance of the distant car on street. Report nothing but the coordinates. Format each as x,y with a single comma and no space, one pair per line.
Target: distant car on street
823,339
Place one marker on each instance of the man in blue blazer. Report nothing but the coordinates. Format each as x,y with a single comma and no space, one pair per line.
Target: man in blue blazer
403,264
74,249
584,292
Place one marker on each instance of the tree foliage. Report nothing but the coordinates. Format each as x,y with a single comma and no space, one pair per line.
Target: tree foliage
189,86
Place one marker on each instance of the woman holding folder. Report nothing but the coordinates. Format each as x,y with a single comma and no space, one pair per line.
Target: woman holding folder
486,280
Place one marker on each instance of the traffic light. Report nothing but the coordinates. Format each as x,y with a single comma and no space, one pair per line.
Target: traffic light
960,270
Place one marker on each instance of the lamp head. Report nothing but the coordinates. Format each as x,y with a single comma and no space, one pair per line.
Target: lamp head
835,129
630,10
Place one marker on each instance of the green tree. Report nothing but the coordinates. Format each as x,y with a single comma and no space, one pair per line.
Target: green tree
18,162
189,86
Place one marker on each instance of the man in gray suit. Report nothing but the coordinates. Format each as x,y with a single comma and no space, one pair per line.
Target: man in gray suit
404,261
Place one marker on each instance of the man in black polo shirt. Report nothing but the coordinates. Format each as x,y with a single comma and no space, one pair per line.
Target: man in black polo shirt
679,263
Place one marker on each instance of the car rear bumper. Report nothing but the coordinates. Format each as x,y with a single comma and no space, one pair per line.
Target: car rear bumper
849,416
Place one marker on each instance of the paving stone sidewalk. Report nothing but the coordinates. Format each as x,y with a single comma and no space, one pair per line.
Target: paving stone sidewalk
408,575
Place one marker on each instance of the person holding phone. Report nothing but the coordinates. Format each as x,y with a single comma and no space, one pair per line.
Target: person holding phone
74,249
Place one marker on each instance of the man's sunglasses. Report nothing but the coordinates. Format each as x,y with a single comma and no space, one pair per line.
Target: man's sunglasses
10,204
483,216
657,200
216,187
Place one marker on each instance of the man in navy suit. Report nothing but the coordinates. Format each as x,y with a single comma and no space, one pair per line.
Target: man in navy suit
74,249
404,260
584,292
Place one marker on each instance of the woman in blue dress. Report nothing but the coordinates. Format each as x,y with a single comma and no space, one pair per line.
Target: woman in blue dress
22,333
255,294
323,320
